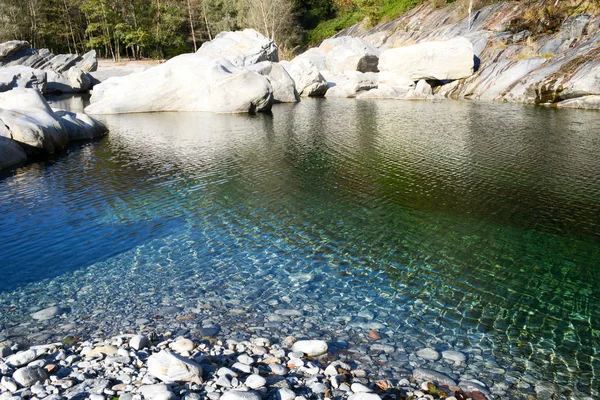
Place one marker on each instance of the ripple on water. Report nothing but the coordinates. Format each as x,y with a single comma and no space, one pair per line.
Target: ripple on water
457,226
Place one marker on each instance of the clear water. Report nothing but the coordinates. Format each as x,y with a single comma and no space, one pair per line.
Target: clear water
459,225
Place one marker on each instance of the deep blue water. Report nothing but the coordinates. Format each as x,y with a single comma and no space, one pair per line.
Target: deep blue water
460,225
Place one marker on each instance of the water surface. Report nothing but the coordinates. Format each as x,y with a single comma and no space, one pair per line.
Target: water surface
455,225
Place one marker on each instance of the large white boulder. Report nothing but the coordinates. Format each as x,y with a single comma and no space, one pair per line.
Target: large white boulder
22,77
308,79
189,82
241,48
348,53
316,56
449,60
31,121
80,126
72,80
351,83
11,152
284,88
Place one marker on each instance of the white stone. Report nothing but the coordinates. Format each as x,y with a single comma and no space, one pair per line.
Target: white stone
360,388
19,76
139,342
364,396
350,83
181,345
189,82
348,53
423,374
311,348
169,367
316,56
255,381
285,394
241,48
454,356
9,384
284,88
428,354
240,395
27,376
73,80
157,392
308,79
452,59
22,358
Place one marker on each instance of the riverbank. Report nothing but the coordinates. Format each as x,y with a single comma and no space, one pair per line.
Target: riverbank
160,367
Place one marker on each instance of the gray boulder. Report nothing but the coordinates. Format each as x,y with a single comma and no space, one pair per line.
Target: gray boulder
241,48
452,59
11,153
284,88
189,82
80,126
348,53
316,56
350,83
70,81
22,77
31,121
9,48
308,79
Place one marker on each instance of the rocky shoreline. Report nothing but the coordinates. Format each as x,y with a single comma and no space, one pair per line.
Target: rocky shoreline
162,367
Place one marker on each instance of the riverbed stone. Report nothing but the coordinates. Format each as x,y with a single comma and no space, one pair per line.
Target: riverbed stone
346,53
307,78
423,374
240,395
454,356
139,342
157,392
311,348
364,396
29,375
284,88
170,367
255,381
428,354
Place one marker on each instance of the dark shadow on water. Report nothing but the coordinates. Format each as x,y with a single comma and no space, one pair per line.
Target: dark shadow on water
82,246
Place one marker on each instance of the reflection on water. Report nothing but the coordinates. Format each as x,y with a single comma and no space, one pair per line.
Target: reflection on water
473,224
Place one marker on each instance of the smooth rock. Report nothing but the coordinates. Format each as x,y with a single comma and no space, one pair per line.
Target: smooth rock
9,384
157,392
71,81
27,376
308,81
182,345
255,381
32,123
47,313
22,77
348,53
240,395
364,396
454,356
285,394
189,82
139,342
311,348
284,88
360,388
423,374
169,367
102,350
428,354
278,369
80,126
452,59
241,48
22,358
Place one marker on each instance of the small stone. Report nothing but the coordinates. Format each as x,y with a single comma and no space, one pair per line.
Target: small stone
255,381
139,342
311,348
422,374
182,345
240,395
96,397
285,394
47,313
27,376
360,388
5,351
364,396
242,367
454,356
245,359
157,392
278,369
102,350
169,367
22,358
226,372
9,384
428,354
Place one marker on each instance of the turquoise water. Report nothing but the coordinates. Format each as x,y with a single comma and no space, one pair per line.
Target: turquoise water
465,226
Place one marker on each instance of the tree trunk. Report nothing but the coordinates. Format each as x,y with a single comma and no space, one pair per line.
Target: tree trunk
192,25
206,20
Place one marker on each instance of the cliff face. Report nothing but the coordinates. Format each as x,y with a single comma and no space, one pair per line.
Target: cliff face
520,59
